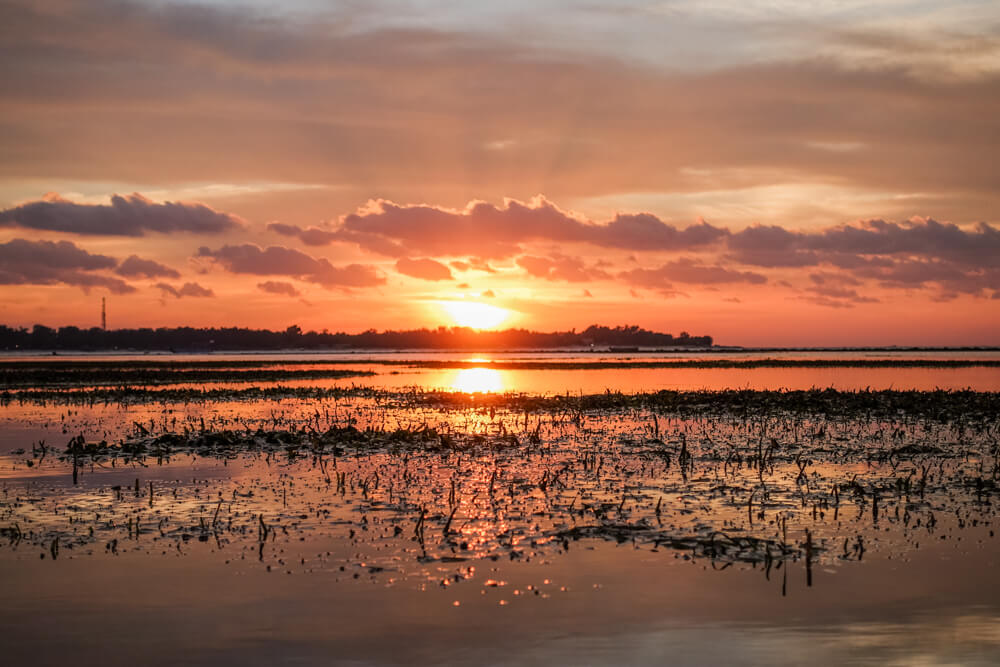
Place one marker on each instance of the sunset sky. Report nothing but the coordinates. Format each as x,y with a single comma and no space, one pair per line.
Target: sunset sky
768,173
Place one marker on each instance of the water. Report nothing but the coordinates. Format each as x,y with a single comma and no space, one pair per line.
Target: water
549,537
410,369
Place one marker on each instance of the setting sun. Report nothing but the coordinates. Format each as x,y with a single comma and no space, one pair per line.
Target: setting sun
475,315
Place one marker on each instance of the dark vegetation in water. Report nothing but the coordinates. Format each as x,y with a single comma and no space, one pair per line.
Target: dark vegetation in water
54,373
762,479
16,376
941,405
233,338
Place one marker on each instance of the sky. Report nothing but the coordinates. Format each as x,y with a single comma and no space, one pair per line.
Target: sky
768,173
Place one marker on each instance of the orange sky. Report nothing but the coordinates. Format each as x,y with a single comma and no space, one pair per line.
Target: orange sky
766,174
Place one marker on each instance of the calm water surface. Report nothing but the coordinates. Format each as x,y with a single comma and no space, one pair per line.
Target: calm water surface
163,562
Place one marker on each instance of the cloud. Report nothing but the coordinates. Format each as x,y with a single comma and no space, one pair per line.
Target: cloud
834,278
773,246
488,231
472,264
129,215
313,236
826,301
425,269
136,267
686,270
583,121
316,236
280,261
848,295
488,294
278,287
559,267
187,289
24,262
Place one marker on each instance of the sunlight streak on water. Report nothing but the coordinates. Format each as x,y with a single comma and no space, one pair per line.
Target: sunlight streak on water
476,380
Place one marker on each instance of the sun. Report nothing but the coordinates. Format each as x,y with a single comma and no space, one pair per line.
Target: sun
475,315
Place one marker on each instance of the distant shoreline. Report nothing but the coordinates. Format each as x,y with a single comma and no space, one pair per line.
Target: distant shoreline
347,351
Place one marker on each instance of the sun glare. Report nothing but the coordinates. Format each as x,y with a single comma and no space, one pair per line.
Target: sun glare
475,315
477,380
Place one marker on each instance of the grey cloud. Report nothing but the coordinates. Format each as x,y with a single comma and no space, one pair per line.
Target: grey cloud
278,260
569,269
136,267
840,293
826,302
187,289
833,278
689,271
129,215
423,268
867,241
24,262
278,287
315,236
490,231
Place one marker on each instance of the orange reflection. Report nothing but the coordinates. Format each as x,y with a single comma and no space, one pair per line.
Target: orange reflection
477,380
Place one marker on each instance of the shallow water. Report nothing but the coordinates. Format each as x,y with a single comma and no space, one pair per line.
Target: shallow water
498,536
414,369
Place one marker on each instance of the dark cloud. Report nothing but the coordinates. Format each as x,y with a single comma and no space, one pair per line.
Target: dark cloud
558,267
921,273
280,261
770,247
833,278
826,302
866,242
187,289
686,270
24,262
923,237
315,236
845,294
278,287
488,231
129,215
423,268
136,267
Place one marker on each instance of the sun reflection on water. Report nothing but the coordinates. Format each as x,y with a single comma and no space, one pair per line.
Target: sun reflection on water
477,380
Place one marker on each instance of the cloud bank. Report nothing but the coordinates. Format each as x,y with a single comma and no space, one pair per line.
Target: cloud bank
25,262
129,215
280,261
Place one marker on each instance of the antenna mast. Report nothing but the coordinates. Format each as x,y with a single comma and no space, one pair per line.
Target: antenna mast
104,314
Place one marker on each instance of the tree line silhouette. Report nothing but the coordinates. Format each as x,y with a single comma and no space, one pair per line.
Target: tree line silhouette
180,339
